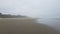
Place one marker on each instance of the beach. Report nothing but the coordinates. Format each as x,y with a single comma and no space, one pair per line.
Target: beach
24,26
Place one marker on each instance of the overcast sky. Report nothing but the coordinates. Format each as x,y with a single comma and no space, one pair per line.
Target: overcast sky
34,8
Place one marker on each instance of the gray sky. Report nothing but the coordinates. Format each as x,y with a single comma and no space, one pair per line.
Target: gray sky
34,8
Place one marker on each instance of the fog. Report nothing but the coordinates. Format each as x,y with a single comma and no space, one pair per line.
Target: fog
33,8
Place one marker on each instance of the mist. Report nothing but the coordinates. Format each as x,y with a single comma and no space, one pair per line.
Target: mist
46,9
32,8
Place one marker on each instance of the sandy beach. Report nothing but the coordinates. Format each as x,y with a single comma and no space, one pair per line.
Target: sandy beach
24,26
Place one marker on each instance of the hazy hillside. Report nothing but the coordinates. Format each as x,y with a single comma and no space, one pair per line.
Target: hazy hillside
11,16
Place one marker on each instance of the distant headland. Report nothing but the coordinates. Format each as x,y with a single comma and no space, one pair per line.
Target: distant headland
11,16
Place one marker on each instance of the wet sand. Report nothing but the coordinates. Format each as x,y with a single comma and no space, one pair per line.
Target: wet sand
24,26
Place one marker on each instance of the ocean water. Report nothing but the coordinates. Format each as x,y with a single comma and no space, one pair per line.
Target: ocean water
53,22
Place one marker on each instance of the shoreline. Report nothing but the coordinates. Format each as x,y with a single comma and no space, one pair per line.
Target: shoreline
23,26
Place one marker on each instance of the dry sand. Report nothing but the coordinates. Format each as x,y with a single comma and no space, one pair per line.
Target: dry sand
23,26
